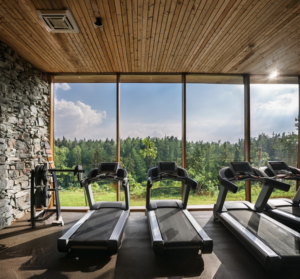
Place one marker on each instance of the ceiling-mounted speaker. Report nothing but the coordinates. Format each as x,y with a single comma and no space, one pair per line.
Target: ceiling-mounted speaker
58,21
98,23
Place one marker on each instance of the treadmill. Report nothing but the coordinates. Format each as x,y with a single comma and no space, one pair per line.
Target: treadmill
285,210
272,243
171,226
103,225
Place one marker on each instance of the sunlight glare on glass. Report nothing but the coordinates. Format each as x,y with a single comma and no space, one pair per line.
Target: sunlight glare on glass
273,75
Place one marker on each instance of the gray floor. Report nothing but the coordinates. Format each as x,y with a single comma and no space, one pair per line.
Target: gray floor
27,253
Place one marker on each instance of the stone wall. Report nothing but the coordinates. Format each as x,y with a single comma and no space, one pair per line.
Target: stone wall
24,117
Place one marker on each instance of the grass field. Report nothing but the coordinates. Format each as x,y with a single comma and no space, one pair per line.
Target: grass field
138,198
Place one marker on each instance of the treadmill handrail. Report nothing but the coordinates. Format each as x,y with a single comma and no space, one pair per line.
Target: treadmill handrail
87,184
268,186
188,183
294,175
276,184
268,181
161,176
229,185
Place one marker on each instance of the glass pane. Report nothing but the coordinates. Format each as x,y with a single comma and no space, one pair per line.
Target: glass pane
274,132
215,136
150,111
85,132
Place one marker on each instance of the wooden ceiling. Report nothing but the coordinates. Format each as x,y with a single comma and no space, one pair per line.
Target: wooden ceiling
159,36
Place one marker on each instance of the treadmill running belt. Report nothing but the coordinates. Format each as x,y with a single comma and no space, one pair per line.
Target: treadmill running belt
279,240
96,230
176,229
290,209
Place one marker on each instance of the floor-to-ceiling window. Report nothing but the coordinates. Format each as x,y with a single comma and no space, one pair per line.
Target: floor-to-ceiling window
85,133
151,131
274,127
215,132
151,116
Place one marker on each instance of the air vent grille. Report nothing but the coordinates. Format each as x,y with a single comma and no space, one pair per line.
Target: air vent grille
58,21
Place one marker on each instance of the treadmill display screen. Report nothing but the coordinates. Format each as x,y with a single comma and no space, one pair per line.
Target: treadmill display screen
108,167
277,166
167,167
241,167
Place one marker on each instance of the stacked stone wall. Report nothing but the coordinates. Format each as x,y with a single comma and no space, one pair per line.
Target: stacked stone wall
24,117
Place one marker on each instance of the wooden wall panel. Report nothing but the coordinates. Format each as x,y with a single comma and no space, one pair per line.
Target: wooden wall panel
159,36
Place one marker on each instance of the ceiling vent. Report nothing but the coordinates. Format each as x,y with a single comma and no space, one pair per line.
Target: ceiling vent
58,21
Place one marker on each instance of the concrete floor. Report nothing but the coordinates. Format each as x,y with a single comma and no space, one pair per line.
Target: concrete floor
27,253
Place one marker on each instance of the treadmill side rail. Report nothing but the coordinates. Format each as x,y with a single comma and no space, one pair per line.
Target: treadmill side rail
268,258
207,241
62,243
156,238
114,241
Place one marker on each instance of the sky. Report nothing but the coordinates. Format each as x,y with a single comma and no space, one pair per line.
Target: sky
214,111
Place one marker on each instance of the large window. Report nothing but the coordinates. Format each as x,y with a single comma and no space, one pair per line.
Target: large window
215,132
274,129
85,133
150,132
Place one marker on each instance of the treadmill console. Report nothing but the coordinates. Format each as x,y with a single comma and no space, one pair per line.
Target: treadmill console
241,168
167,167
108,168
278,167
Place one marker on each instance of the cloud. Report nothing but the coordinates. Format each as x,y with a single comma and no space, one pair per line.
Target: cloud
273,108
63,86
77,120
144,129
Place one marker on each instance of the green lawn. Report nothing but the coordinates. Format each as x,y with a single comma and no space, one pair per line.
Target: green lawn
138,198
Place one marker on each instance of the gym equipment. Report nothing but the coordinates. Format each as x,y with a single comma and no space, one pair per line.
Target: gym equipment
272,243
41,193
103,225
171,226
285,210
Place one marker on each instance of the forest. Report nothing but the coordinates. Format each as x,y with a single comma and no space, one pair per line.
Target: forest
204,160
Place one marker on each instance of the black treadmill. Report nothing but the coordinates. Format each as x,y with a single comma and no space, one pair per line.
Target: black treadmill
285,210
171,226
103,225
272,243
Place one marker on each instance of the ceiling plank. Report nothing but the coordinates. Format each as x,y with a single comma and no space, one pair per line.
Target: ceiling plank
130,32
125,26
89,14
153,30
148,34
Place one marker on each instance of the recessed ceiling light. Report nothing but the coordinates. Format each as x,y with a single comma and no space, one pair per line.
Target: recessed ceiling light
273,75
